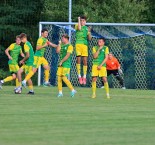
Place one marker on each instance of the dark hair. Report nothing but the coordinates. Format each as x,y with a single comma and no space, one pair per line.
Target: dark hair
43,30
22,35
65,36
102,38
83,17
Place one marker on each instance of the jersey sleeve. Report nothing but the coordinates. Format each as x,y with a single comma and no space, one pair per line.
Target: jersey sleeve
107,50
11,47
70,49
26,48
117,63
39,42
76,26
94,50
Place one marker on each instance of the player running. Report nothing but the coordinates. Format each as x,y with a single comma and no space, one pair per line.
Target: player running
13,52
39,58
65,50
100,56
83,34
26,63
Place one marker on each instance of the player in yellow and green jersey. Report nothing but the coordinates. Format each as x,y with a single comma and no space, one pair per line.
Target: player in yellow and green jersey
100,56
26,63
13,52
39,58
65,50
82,36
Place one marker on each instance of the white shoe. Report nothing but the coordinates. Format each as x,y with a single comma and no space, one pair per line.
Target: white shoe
73,93
60,95
123,88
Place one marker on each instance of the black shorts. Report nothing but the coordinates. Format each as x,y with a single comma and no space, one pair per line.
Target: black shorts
114,72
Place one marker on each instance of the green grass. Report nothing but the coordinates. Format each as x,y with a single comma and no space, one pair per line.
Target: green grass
43,119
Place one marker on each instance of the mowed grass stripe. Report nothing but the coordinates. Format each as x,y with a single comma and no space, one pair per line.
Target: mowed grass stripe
43,119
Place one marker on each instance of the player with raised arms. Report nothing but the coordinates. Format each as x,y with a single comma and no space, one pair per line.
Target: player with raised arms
83,34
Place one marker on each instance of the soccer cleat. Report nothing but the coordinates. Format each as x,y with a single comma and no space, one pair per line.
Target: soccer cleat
102,87
80,81
84,81
123,88
73,93
1,84
24,84
47,84
60,95
93,96
108,97
30,93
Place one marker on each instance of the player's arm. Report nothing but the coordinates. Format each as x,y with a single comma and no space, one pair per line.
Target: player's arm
105,60
79,23
39,44
52,44
42,46
26,49
89,33
65,58
119,67
22,54
58,47
25,58
118,64
69,52
7,53
96,53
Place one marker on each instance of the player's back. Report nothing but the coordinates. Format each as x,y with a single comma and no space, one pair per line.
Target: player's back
28,48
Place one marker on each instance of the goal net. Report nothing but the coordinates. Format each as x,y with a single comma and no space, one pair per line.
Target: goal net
132,44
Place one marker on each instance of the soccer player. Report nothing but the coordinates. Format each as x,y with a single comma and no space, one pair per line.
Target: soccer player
65,50
13,52
83,34
39,58
113,67
26,63
100,56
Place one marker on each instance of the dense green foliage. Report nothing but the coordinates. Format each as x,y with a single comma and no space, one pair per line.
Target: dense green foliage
43,119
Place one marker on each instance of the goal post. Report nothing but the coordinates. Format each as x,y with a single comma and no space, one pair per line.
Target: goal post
132,44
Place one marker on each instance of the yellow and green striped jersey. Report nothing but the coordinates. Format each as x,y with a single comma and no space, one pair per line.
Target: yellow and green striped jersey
81,35
65,48
15,50
40,42
28,48
103,52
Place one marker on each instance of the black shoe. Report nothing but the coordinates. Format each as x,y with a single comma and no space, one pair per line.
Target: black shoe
30,93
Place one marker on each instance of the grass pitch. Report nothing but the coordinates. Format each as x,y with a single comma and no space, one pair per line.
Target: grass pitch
43,119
